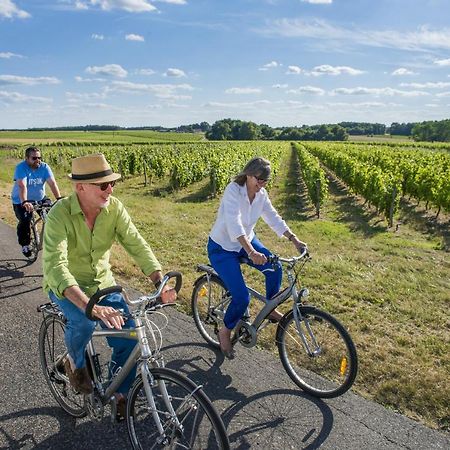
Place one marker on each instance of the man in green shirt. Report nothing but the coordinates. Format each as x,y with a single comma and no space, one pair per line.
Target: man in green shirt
78,237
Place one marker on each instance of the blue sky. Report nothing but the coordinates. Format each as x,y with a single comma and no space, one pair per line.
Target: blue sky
173,62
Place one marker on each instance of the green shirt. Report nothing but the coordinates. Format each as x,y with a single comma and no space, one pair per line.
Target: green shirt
73,255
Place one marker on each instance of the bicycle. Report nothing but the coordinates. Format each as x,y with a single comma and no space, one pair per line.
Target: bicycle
315,349
38,218
164,408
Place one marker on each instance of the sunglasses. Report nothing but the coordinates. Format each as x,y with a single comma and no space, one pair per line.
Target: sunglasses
34,158
262,180
104,186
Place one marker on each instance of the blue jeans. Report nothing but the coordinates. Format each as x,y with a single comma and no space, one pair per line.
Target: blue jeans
227,265
79,331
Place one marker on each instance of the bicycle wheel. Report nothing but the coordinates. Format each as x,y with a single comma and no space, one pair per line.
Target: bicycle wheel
194,423
328,368
52,351
209,303
34,243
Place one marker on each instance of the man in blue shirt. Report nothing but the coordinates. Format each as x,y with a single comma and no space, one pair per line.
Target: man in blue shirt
30,177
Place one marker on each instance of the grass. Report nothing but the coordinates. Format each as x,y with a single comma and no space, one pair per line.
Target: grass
390,289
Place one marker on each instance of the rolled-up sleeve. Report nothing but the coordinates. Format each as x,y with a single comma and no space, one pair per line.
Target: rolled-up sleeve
136,246
57,276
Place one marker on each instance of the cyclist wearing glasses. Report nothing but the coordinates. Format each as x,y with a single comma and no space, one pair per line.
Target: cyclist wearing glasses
244,201
78,237
30,177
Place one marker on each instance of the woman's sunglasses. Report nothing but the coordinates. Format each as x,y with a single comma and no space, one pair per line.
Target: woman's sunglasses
104,186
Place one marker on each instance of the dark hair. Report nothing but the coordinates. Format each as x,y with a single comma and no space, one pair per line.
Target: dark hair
257,167
31,150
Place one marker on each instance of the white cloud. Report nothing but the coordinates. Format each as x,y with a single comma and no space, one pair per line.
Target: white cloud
326,69
318,2
270,65
402,71
9,10
428,85
81,5
421,38
87,80
167,91
17,97
280,86
307,90
176,73
173,2
237,90
443,62
134,6
443,94
8,55
77,97
113,70
28,81
134,37
98,37
378,92
295,70
237,104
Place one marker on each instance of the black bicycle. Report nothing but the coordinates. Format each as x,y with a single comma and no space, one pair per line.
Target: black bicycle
315,349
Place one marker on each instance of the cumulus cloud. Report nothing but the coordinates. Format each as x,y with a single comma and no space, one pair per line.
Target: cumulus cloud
280,86
9,10
326,69
442,62
134,37
270,65
134,6
81,5
111,70
294,70
176,73
98,37
422,38
28,81
8,55
387,91
79,79
167,91
17,97
402,71
307,90
77,97
237,90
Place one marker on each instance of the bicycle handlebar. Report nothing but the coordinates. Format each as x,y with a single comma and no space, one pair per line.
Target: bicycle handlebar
145,298
273,259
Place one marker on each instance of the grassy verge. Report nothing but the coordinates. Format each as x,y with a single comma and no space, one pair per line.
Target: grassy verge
389,288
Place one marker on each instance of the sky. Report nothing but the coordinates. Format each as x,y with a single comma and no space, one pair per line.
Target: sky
173,62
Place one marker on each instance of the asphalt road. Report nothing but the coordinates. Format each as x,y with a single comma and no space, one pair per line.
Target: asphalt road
260,406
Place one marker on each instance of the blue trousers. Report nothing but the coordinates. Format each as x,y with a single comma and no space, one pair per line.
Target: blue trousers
79,331
227,265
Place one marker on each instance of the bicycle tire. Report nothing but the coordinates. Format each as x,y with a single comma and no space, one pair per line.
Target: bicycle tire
34,242
209,303
327,374
52,350
199,423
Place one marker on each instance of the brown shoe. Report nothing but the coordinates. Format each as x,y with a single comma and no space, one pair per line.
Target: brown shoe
79,378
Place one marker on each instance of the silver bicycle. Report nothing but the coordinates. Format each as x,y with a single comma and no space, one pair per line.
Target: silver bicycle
164,408
316,351
38,218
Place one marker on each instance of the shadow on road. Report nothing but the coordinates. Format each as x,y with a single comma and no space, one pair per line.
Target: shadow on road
15,281
271,419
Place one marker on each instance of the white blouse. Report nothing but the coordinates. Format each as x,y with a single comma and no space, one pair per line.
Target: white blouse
237,217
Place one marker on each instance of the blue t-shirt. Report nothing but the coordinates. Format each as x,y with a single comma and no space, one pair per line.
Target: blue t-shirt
34,180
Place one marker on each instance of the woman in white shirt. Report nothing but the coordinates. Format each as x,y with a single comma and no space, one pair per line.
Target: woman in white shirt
244,201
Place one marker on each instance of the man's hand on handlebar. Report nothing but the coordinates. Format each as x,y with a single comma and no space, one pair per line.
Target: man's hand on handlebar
109,316
168,294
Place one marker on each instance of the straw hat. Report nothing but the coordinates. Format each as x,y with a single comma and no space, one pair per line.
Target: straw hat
92,169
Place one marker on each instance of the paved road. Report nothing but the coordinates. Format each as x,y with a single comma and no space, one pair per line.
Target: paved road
259,404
